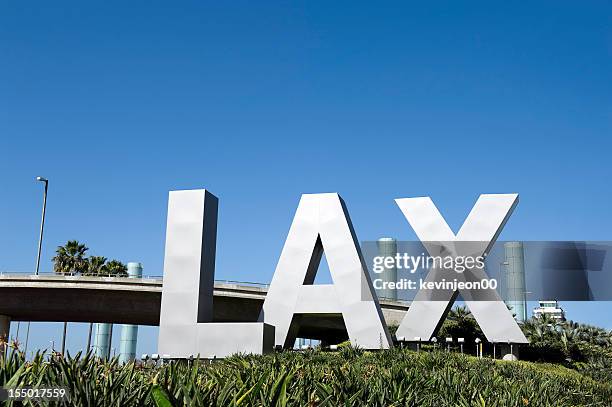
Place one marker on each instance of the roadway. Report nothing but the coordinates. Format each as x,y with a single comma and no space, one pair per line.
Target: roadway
58,298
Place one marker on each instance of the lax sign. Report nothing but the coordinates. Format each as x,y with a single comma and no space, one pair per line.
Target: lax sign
321,224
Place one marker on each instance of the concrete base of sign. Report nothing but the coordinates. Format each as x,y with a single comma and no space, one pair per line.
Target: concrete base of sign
220,340
217,340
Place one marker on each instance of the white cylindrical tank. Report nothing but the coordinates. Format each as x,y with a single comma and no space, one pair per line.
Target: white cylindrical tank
129,333
387,247
516,294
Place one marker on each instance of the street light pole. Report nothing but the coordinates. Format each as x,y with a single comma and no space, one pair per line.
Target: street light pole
42,221
64,338
40,239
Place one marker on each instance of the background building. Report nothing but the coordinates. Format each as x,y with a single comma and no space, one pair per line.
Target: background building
550,308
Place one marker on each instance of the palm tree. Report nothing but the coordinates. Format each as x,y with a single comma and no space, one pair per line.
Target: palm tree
96,265
459,313
544,327
594,335
460,323
576,341
116,269
70,258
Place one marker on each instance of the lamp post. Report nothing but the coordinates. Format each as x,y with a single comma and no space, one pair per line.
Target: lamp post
502,278
418,341
525,293
40,239
42,221
434,340
461,340
64,338
449,340
477,340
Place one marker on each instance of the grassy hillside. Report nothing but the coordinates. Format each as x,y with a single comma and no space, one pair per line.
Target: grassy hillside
349,377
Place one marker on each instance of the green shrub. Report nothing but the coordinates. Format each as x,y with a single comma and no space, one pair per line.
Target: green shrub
351,377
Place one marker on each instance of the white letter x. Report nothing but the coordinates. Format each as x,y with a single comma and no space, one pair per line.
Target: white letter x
478,233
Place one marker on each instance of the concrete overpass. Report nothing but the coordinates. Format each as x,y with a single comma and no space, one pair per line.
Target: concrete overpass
58,298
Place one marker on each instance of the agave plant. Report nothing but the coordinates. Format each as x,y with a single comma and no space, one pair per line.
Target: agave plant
352,377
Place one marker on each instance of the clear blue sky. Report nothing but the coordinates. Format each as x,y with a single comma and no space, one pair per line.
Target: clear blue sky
119,102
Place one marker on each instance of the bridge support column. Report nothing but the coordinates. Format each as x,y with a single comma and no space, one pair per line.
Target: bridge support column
5,327
129,333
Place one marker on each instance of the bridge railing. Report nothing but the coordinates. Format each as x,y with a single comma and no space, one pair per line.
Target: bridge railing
247,283
147,277
156,278
52,274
